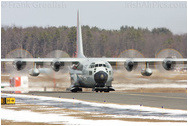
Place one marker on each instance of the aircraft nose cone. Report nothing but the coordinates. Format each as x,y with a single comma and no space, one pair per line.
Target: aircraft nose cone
101,78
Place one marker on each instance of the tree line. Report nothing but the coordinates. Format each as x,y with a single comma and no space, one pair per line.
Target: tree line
97,42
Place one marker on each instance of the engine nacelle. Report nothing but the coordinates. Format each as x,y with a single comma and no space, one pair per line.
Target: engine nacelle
146,72
129,65
34,72
168,64
56,65
19,65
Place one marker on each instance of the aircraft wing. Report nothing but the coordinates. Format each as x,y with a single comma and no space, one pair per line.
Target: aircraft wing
145,59
42,59
168,63
105,59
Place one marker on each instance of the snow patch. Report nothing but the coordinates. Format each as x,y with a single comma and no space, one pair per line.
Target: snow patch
28,116
138,86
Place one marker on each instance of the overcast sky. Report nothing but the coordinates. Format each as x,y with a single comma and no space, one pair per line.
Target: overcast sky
107,15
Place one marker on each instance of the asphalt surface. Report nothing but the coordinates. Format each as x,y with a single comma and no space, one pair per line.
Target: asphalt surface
165,100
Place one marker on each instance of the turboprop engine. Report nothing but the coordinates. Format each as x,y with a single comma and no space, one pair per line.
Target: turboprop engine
168,64
130,65
56,65
34,72
146,72
19,65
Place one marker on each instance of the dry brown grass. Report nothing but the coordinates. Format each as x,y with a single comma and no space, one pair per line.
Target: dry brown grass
5,78
9,122
157,77
107,117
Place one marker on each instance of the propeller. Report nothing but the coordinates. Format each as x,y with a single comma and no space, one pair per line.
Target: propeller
56,54
18,53
168,53
132,53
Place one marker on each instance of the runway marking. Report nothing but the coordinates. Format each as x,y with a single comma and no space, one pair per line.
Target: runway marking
158,96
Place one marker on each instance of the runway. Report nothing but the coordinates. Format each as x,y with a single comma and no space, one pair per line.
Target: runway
158,100
100,110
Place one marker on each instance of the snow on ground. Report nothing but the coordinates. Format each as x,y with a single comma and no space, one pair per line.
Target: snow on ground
5,84
176,114
28,116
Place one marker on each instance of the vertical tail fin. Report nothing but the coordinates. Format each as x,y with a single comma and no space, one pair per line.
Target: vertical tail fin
79,50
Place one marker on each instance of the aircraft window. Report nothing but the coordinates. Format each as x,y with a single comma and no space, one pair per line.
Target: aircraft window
90,72
104,65
109,72
107,65
96,65
91,66
100,65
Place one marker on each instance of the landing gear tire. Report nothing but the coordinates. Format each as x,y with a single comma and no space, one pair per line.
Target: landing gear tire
107,91
101,89
76,90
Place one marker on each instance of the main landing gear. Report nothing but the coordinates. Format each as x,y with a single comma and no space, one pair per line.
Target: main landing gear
74,89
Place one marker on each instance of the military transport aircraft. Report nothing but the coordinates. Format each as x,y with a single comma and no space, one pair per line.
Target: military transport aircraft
95,73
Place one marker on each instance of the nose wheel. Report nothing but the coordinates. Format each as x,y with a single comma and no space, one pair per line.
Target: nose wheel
102,91
105,89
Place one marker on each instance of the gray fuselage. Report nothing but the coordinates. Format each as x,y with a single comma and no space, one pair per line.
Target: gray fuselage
90,73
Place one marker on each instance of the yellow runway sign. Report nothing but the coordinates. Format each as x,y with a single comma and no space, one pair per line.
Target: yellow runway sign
3,101
8,101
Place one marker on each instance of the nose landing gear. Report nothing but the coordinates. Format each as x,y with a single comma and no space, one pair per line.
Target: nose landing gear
101,89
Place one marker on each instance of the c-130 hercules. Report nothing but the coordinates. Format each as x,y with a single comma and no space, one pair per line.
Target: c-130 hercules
95,73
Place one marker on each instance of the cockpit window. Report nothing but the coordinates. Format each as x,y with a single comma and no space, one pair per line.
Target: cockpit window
107,65
101,65
92,65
